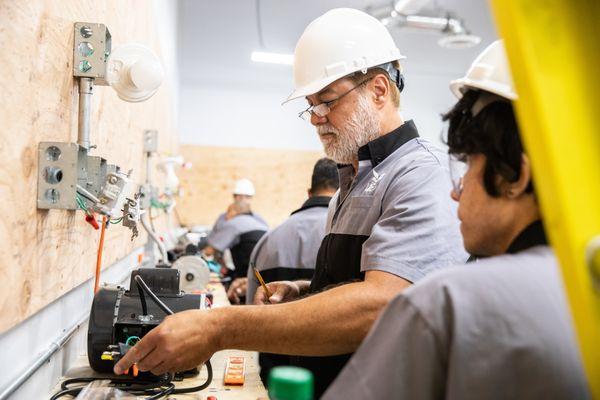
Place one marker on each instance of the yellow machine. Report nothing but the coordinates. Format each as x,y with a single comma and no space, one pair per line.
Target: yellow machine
554,52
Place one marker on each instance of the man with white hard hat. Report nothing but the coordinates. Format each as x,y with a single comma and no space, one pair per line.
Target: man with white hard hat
496,329
243,190
236,232
390,224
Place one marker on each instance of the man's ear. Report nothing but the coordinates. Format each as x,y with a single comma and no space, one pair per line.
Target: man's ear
517,188
380,86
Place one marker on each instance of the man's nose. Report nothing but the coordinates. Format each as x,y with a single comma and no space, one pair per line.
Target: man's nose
316,120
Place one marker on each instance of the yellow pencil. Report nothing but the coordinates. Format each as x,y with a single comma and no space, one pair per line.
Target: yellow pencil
262,283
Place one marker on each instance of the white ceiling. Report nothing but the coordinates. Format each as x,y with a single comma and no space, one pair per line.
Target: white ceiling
216,38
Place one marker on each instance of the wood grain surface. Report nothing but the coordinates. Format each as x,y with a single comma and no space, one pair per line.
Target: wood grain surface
281,179
44,254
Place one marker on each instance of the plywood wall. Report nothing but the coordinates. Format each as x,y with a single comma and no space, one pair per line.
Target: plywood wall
281,178
43,254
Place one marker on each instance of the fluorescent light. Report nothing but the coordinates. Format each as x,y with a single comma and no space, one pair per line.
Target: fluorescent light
272,58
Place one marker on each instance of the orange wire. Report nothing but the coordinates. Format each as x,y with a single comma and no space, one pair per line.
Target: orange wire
99,256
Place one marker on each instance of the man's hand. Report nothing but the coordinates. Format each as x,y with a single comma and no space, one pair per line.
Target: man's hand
281,292
181,342
237,289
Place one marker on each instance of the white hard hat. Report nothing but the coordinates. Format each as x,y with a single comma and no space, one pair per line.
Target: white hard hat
244,187
489,72
338,43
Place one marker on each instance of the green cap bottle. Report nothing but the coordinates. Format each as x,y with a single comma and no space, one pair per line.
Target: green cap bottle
290,383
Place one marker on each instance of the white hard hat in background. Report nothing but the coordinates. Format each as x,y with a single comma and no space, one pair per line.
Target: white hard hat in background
135,72
338,43
244,187
490,72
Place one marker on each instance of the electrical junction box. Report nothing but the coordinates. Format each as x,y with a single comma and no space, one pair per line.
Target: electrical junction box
91,48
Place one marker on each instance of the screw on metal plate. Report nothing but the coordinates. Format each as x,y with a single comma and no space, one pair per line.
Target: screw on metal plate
113,179
86,31
592,257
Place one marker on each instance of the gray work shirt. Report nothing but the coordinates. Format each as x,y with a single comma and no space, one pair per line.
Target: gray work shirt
290,247
221,220
229,232
395,215
496,329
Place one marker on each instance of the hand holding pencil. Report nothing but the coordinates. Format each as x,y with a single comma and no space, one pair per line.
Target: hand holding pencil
275,292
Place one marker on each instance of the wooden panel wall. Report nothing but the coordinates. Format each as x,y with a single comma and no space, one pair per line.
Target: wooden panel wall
43,254
281,179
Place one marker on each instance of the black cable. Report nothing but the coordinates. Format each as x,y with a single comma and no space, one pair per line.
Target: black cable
166,309
143,300
133,386
170,389
201,387
154,297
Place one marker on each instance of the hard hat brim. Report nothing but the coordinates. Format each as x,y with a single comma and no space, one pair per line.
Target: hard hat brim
319,85
313,88
459,86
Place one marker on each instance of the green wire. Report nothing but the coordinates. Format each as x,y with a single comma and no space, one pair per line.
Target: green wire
158,204
116,221
81,203
136,338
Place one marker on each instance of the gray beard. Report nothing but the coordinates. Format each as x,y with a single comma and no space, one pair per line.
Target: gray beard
360,128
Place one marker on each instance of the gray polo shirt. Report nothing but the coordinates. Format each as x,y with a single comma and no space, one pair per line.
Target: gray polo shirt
496,329
289,252
229,232
395,215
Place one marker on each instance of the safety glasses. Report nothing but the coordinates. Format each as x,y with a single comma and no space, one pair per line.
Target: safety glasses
322,109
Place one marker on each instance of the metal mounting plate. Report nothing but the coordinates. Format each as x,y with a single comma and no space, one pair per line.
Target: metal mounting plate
57,175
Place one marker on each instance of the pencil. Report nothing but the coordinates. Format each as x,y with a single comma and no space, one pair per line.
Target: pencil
262,283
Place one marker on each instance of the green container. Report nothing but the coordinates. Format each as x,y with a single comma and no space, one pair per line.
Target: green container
290,383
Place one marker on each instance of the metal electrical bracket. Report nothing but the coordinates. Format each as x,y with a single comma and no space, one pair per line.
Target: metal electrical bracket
150,141
57,175
66,169
91,49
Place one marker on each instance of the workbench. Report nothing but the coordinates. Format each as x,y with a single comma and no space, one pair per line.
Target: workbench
252,389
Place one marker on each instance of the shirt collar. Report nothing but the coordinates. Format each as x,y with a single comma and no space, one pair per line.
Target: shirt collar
316,201
531,236
379,149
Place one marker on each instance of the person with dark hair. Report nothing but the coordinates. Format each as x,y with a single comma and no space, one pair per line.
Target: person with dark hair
289,252
498,328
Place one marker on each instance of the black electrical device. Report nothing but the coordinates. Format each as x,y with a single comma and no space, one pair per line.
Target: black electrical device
121,317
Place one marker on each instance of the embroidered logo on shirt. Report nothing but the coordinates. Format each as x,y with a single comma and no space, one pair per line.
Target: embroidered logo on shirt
370,189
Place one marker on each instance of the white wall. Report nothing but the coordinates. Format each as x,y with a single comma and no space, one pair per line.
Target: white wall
251,115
